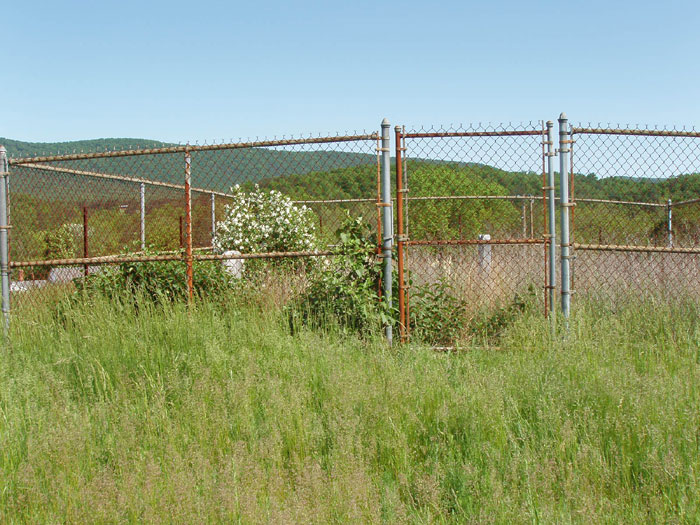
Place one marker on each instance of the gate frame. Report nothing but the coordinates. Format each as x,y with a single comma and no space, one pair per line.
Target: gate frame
403,240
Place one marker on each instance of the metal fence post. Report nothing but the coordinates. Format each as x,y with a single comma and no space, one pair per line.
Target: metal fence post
387,221
143,217
86,252
404,325
4,245
564,149
551,220
669,221
213,218
188,225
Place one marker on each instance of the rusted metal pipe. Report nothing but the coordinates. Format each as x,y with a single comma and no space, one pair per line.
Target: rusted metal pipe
86,267
116,259
632,248
669,223
437,134
188,148
468,242
551,219
637,132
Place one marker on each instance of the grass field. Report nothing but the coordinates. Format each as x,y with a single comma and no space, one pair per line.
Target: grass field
219,414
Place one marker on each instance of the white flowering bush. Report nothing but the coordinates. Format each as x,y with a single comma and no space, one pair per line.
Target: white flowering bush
265,221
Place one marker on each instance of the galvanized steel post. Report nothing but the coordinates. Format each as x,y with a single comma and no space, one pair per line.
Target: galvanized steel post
188,226
387,222
551,220
143,217
4,244
400,236
564,150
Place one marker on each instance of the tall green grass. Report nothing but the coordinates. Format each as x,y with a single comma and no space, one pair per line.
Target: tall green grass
215,413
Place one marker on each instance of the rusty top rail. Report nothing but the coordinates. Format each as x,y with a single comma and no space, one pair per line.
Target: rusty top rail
505,133
471,242
122,178
192,149
116,259
633,248
634,132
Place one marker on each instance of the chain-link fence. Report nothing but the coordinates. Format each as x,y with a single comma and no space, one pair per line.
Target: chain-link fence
71,215
487,216
636,223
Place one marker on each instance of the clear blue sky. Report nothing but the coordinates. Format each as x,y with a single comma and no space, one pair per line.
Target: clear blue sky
208,70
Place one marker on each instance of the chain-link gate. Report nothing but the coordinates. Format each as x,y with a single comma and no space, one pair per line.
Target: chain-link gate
471,217
636,223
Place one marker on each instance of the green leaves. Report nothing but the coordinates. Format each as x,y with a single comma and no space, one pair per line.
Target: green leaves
159,281
345,291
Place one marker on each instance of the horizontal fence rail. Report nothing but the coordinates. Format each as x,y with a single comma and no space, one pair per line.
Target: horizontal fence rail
194,148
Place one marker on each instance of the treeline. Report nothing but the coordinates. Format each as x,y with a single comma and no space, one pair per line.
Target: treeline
19,148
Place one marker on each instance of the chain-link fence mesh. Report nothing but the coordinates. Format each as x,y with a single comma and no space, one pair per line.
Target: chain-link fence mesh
71,215
473,216
635,227
472,211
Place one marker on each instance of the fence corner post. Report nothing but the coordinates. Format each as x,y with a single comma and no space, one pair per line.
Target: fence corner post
387,222
4,244
565,245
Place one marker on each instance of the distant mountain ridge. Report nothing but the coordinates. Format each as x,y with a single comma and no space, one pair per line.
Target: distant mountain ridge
20,148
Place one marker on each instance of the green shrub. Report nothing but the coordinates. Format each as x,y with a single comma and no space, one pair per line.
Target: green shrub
436,314
345,290
159,281
59,243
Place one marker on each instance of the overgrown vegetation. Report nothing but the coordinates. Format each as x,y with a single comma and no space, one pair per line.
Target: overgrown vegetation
344,292
158,282
217,413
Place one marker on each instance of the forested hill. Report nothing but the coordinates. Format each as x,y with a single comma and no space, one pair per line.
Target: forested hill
216,170
19,148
